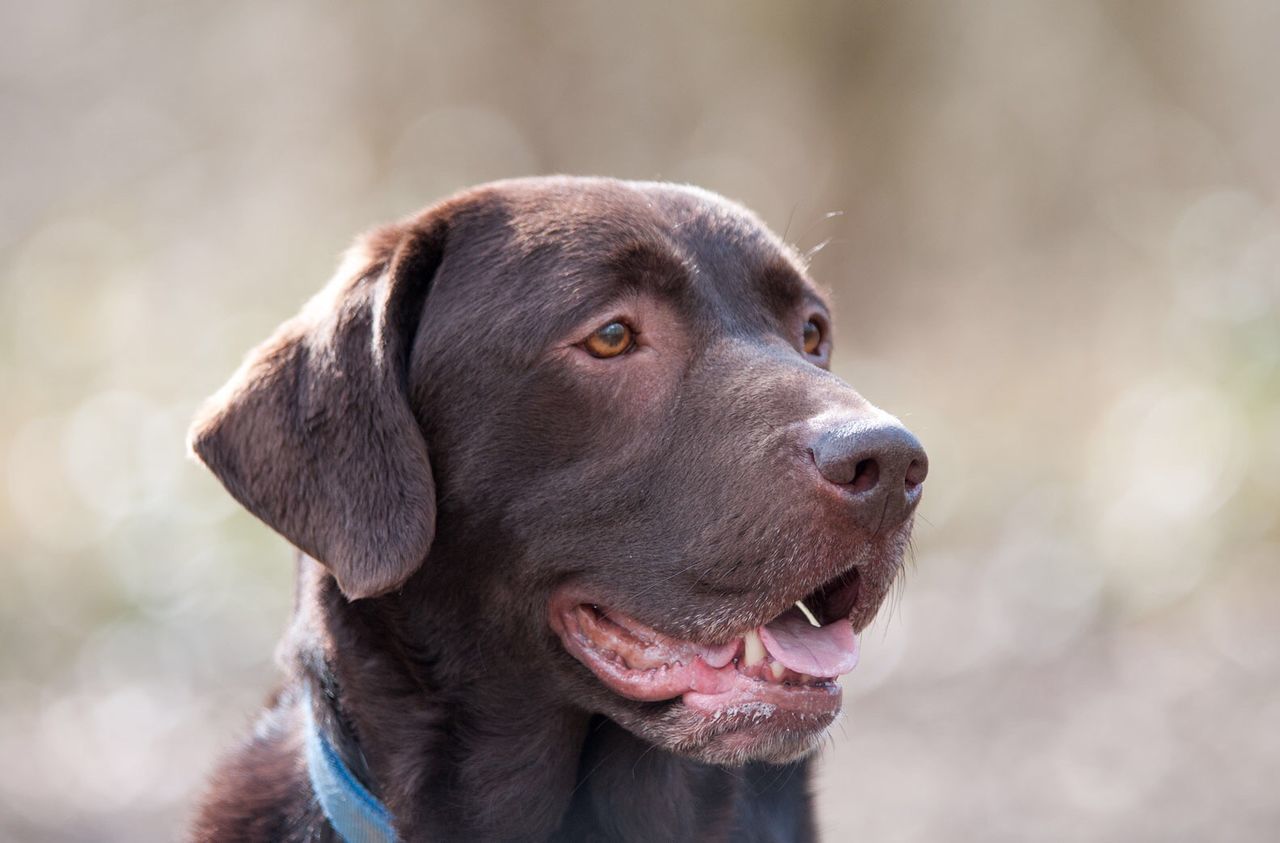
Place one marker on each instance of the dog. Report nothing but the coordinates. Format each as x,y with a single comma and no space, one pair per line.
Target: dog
587,529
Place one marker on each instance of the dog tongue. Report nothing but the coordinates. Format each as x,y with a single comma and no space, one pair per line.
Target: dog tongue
825,651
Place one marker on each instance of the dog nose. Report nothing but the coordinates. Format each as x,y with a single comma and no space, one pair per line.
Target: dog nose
879,463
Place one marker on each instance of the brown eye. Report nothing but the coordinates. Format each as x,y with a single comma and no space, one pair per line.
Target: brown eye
812,337
611,340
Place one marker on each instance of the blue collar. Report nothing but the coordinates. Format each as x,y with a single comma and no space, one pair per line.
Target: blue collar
354,812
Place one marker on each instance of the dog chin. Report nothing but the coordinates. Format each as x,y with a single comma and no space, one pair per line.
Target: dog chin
733,738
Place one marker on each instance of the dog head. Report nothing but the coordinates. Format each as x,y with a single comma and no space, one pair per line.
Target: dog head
590,422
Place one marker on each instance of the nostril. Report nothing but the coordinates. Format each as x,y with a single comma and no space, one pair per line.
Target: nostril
865,476
916,473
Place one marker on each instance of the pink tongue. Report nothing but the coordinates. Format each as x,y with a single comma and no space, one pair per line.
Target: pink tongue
826,651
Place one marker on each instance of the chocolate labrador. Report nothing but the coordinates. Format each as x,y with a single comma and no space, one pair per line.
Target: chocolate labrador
588,529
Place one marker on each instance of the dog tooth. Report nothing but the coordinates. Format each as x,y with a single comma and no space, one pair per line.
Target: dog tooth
754,651
805,609
777,669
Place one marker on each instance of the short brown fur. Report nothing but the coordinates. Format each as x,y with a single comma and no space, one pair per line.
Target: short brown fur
429,431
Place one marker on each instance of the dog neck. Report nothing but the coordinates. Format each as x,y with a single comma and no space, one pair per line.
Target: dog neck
347,803
496,757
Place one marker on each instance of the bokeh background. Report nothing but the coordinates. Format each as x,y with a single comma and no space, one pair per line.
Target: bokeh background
1051,231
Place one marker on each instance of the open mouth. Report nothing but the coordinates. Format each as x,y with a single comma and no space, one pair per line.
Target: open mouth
787,664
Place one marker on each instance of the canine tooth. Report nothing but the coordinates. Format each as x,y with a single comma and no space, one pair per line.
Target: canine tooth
754,651
777,669
805,609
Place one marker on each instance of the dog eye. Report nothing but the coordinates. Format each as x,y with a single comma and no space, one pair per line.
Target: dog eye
812,337
610,340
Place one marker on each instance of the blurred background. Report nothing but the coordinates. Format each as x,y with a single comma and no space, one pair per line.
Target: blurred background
1051,232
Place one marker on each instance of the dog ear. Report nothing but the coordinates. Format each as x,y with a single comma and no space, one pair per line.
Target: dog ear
314,434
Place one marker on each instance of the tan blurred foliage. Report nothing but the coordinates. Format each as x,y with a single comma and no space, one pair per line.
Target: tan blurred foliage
1056,255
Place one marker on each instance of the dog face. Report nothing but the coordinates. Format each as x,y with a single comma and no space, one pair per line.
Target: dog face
592,422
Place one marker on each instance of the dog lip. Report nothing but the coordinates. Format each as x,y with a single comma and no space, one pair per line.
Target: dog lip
636,661
755,700
640,663
847,595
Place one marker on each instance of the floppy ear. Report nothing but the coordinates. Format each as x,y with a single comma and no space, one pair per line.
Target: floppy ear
314,433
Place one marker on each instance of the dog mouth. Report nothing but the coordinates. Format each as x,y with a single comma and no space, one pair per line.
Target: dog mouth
787,664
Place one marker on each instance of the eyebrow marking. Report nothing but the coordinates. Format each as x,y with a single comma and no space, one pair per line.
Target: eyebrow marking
785,287
652,267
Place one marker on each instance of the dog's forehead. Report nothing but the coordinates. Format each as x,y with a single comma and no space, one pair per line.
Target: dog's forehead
570,234
600,214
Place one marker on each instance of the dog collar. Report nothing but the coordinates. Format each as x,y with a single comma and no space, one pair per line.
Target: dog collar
353,811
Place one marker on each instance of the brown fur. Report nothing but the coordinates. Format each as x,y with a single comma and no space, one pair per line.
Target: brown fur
429,431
